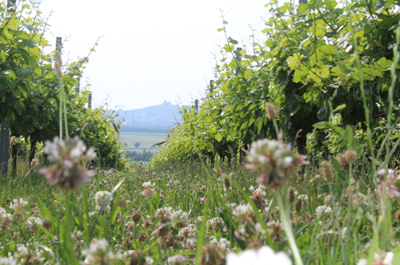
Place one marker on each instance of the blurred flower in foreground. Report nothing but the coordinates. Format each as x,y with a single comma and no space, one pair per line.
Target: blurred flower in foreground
264,255
103,197
66,172
275,160
383,259
149,191
100,253
391,190
8,261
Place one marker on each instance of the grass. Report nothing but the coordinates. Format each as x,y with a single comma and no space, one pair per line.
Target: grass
191,190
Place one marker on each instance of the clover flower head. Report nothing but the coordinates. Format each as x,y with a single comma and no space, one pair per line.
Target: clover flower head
99,252
18,204
264,255
276,160
102,197
66,172
391,189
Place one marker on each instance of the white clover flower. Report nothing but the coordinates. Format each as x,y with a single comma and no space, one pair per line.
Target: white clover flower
323,209
148,184
275,160
99,251
149,260
103,197
18,204
179,216
32,221
189,243
263,256
2,212
243,210
175,260
222,245
386,259
8,261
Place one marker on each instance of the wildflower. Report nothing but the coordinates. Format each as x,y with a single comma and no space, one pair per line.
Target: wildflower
102,197
344,164
138,258
165,214
18,204
270,110
32,222
99,252
180,217
121,202
29,254
276,231
58,57
243,210
326,171
176,260
322,210
136,216
291,194
162,229
391,190
275,160
265,255
222,245
66,172
57,69
8,261
383,259
149,191
210,255
216,224
34,162
350,156
47,223
13,140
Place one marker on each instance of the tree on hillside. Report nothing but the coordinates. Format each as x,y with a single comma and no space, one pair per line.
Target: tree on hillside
137,144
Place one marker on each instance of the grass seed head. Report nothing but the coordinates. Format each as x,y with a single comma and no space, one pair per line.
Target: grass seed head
326,171
350,156
270,111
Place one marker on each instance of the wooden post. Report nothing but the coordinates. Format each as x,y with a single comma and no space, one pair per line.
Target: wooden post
237,71
4,130
78,89
4,147
196,105
238,58
59,44
90,101
211,86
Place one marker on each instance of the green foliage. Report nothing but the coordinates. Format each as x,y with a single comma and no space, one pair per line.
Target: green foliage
306,68
29,89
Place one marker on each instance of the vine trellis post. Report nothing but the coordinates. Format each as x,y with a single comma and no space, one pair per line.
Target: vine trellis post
4,147
4,129
237,71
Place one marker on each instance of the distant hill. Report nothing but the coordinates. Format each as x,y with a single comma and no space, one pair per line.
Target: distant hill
157,118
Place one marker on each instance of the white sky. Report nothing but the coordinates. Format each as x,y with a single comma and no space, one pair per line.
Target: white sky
152,50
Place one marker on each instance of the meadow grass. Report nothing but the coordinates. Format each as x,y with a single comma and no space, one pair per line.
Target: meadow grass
191,206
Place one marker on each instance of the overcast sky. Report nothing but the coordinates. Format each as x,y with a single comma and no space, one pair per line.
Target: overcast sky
153,50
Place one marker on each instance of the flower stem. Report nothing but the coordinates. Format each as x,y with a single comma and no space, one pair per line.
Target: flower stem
288,229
